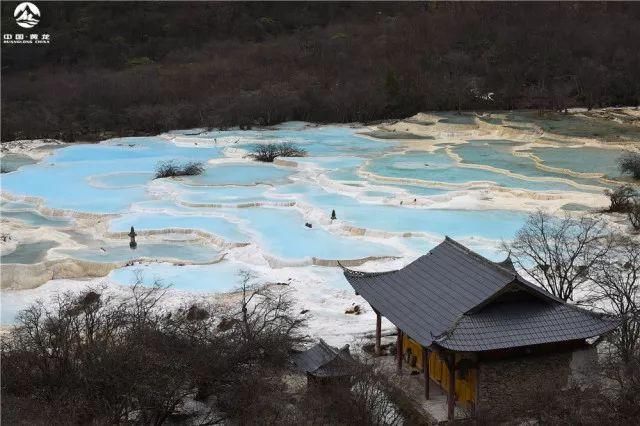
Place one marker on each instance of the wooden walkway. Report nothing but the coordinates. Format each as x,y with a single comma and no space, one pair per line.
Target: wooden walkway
435,408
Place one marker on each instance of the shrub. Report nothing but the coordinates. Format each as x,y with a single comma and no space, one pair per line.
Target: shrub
268,153
629,163
621,198
172,168
98,359
634,215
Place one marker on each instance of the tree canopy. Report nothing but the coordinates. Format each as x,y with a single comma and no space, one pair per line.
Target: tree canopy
145,67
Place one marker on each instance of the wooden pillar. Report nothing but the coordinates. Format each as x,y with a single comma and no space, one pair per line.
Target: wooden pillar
399,350
451,398
425,369
378,333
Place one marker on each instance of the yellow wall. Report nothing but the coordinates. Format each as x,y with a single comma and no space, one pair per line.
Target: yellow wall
439,373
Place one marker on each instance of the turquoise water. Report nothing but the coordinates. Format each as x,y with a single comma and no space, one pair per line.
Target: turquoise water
291,189
239,174
499,154
120,253
15,205
412,189
35,219
439,167
29,252
116,176
214,278
63,179
282,232
455,223
157,221
349,173
333,163
12,162
582,159
225,194
122,180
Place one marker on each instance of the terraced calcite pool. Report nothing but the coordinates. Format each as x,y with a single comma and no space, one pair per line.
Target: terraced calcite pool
397,189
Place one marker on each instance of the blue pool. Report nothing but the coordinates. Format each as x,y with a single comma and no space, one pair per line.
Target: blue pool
266,206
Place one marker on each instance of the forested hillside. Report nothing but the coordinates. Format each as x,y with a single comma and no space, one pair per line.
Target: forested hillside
141,68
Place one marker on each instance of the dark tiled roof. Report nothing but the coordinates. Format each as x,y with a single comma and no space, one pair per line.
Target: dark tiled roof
324,360
508,264
508,325
430,296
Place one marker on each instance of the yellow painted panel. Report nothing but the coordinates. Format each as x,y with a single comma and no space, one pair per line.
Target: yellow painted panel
410,345
439,372
465,388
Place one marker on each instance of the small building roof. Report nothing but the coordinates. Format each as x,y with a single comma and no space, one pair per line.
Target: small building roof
324,360
459,300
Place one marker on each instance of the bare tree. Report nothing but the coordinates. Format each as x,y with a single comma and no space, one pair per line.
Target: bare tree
92,358
367,398
557,252
621,199
373,398
269,152
617,287
172,168
629,163
265,313
634,215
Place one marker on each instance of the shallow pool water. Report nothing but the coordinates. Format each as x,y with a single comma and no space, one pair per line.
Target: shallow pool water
438,166
581,159
413,189
34,218
65,179
158,251
158,221
282,232
15,205
27,253
219,277
12,162
122,180
492,224
349,173
239,174
267,205
500,154
231,194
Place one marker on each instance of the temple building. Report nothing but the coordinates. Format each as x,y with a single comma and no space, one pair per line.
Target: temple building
465,320
325,364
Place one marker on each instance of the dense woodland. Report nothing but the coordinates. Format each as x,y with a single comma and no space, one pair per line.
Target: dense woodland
141,68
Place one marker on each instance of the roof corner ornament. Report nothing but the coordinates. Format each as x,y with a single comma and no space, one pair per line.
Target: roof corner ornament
351,271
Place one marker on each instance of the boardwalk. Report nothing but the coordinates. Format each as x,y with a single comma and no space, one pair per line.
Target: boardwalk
434,409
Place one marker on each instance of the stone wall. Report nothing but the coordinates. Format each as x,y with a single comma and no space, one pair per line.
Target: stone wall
517,385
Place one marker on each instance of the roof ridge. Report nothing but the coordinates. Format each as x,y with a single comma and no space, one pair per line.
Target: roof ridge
599,315
479,257
325,345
